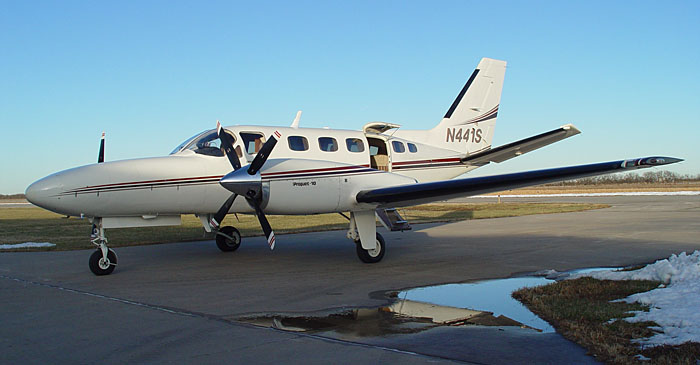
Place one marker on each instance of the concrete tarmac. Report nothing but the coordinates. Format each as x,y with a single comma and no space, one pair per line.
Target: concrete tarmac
179,302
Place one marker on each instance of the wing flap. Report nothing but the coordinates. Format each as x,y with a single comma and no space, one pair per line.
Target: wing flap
517,148
420,193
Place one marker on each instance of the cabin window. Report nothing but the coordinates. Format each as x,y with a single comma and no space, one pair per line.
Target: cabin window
412,148
252,142
398,147
298,143
355,145
327,144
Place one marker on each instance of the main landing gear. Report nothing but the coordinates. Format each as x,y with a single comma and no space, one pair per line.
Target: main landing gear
104,260
228,238
363,227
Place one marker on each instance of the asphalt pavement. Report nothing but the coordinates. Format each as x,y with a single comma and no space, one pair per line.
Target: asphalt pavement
182,302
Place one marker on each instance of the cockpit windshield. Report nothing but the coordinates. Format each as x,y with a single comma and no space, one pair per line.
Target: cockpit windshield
182,145
206,143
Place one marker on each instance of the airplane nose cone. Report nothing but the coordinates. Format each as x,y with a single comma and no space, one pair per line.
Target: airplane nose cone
44,192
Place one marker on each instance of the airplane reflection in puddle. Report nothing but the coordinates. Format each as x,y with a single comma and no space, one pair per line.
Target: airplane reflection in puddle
485,303
491,295
401,317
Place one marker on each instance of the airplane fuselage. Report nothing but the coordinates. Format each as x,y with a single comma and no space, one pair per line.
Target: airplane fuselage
310,171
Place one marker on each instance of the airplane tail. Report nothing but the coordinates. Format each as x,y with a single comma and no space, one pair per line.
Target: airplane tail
469,123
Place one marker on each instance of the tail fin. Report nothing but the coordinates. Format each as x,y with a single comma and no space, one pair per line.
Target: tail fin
469,123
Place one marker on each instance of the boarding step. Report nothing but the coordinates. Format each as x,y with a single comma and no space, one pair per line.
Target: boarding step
392,220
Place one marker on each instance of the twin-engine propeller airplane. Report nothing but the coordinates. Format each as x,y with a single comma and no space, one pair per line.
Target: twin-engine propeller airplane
244,169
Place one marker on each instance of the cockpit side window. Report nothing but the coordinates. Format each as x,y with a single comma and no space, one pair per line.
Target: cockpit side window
252,142
208,144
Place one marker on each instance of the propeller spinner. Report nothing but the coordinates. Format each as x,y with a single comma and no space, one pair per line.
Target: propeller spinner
245,181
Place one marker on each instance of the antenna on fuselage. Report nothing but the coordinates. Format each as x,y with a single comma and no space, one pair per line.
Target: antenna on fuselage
101,154
295,123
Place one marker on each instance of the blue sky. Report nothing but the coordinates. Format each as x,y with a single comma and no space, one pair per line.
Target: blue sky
152,73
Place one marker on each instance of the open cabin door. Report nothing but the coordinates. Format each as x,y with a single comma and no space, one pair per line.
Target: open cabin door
378,149
378,154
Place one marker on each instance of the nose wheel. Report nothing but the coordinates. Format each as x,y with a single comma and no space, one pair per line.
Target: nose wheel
104,260
228,239
100,265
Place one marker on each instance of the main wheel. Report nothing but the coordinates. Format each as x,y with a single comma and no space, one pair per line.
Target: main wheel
371,256
99,266
227,244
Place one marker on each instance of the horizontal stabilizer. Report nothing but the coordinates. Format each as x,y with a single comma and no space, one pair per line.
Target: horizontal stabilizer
405,195
515,149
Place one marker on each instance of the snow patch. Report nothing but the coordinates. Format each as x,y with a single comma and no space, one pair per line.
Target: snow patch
26,245
674,305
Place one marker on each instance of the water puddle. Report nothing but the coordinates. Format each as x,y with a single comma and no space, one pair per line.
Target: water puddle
484,303
491,295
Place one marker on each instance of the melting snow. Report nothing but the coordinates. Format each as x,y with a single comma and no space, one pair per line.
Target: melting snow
25,245
674,305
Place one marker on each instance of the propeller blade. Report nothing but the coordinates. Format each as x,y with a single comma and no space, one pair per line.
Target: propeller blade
263,154
216,220
101,155
263,223
227,142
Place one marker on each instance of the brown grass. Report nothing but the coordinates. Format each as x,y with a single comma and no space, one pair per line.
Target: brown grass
582,311
33,224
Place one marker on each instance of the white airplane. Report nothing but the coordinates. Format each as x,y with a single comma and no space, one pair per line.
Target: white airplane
311,171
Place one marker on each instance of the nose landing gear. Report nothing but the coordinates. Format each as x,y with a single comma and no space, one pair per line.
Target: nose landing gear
228,239
104,260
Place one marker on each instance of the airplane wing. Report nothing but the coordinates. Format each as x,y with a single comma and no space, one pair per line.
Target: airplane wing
515,149
420,193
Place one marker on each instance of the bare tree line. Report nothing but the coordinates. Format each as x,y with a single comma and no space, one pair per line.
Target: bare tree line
12,196
647,177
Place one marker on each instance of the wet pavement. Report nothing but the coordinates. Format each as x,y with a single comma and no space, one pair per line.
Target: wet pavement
183,302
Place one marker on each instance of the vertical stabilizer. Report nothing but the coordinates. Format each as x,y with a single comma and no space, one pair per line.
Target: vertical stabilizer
470,121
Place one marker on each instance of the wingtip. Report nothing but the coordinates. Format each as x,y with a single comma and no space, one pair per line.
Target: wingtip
571,129
658,161
651,161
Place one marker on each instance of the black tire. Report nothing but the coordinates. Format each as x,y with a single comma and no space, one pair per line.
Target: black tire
100,267
226,244
371,256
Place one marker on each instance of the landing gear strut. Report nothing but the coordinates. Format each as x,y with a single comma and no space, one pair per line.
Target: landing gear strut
104,260
364,221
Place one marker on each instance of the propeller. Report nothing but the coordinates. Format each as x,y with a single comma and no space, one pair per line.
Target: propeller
227,142
101,154
245,181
